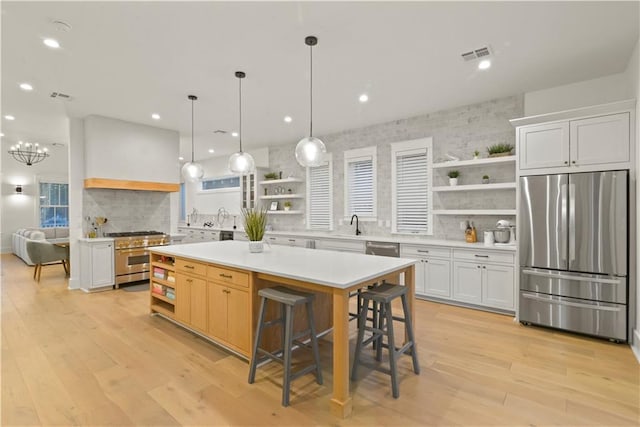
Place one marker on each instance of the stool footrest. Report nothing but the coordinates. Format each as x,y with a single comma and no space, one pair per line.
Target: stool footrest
304,371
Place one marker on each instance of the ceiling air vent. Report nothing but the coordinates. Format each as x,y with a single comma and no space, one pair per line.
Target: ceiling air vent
475,54
60,95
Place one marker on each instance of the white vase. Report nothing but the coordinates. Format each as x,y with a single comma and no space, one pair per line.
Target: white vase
453,181
256,246
286,208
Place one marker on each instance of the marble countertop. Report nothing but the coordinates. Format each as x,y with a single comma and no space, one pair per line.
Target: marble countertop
335,269
403,239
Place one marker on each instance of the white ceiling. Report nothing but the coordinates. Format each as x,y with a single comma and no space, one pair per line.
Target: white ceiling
130,59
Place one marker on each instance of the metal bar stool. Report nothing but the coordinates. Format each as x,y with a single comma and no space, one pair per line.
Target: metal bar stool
288,300
382,325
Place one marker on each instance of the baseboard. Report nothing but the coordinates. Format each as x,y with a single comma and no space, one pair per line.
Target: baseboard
74,283
635,345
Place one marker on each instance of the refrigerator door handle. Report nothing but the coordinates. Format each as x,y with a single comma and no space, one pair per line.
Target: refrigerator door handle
571,304
572,222
569,277
563,222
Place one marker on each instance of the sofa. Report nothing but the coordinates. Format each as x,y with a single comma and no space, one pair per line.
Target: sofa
22,235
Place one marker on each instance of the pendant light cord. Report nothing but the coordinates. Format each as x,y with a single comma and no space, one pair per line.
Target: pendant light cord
192,130
311,92
240,108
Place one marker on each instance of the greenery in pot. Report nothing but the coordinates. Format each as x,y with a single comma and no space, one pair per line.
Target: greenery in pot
287,204
499,149
476,154
485,179
271,175
255,221
453,174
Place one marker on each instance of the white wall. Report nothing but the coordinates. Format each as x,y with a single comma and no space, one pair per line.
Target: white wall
116,149
633,78
615,87
21,211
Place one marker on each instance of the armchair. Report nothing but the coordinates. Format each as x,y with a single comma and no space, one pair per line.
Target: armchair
43,252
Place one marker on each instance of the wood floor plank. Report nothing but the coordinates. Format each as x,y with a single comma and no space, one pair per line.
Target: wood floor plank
71,358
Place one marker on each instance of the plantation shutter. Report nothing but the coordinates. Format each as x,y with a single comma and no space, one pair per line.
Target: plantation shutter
320,197
412,187
361,187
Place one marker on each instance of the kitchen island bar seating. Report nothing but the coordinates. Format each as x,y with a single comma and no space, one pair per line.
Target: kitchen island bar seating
288,299
382,297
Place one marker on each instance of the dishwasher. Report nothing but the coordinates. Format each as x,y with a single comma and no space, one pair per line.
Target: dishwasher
382,249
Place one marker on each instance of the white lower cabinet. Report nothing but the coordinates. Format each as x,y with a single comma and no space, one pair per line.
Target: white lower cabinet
483,278
437,280
96,264
491,285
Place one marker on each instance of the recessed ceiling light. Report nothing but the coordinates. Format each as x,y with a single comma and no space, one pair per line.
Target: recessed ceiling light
53,43
484,64
180,158
211,150
234,134
1,134
288,119
26,86
9,117
155,116
363,98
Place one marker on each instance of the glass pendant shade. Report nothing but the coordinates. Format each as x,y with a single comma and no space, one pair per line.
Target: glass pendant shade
241,163
192,171
310,151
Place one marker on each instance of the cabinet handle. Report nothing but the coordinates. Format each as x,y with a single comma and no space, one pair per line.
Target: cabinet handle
481,256
190,280
423,251
566,162
574,162
226,276
226,291
484,266
292,240
272,238
191,267
477,266
426,261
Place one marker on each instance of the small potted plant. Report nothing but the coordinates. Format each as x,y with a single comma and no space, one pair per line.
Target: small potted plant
270,175
453,177
499,150
476,155
255,222
287,205
485,179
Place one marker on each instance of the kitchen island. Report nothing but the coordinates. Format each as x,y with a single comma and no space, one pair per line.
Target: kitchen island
213,290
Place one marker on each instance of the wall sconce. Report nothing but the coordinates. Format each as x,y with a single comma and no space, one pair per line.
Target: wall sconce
18,189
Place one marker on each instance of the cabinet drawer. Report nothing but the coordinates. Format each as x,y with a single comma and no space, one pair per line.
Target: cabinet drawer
228,276
192,267
483,256
424,251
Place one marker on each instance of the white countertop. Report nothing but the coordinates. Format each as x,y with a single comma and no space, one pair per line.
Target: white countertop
388,239
95,239
330,268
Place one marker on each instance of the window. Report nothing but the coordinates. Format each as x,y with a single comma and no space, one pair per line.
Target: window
54,204
221,183
320,196
360,183
411,187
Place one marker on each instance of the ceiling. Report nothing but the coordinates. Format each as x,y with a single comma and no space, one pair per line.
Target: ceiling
128,60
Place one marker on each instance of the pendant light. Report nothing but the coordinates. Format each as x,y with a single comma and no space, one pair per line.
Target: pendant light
241,163
310,150
192,171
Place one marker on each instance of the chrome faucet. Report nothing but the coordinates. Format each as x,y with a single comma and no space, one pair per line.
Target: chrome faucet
358,232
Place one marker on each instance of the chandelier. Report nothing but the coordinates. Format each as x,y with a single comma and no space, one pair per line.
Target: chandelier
28,153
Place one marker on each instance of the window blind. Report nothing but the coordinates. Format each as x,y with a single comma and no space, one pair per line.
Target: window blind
320,197
360,186
412,186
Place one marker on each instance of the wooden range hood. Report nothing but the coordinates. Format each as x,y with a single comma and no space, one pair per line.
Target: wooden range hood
119,184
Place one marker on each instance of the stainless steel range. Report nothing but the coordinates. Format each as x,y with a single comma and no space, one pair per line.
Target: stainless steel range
132,254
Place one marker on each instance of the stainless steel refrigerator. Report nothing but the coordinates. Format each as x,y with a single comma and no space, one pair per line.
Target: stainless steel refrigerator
573,246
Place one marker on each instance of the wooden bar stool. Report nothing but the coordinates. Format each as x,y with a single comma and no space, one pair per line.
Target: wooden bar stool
382,298
288,300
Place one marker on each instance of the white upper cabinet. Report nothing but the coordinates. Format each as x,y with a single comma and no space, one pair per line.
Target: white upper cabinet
600,140
544,146
582,140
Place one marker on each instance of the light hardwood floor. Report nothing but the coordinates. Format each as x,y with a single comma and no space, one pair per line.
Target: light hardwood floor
71,358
